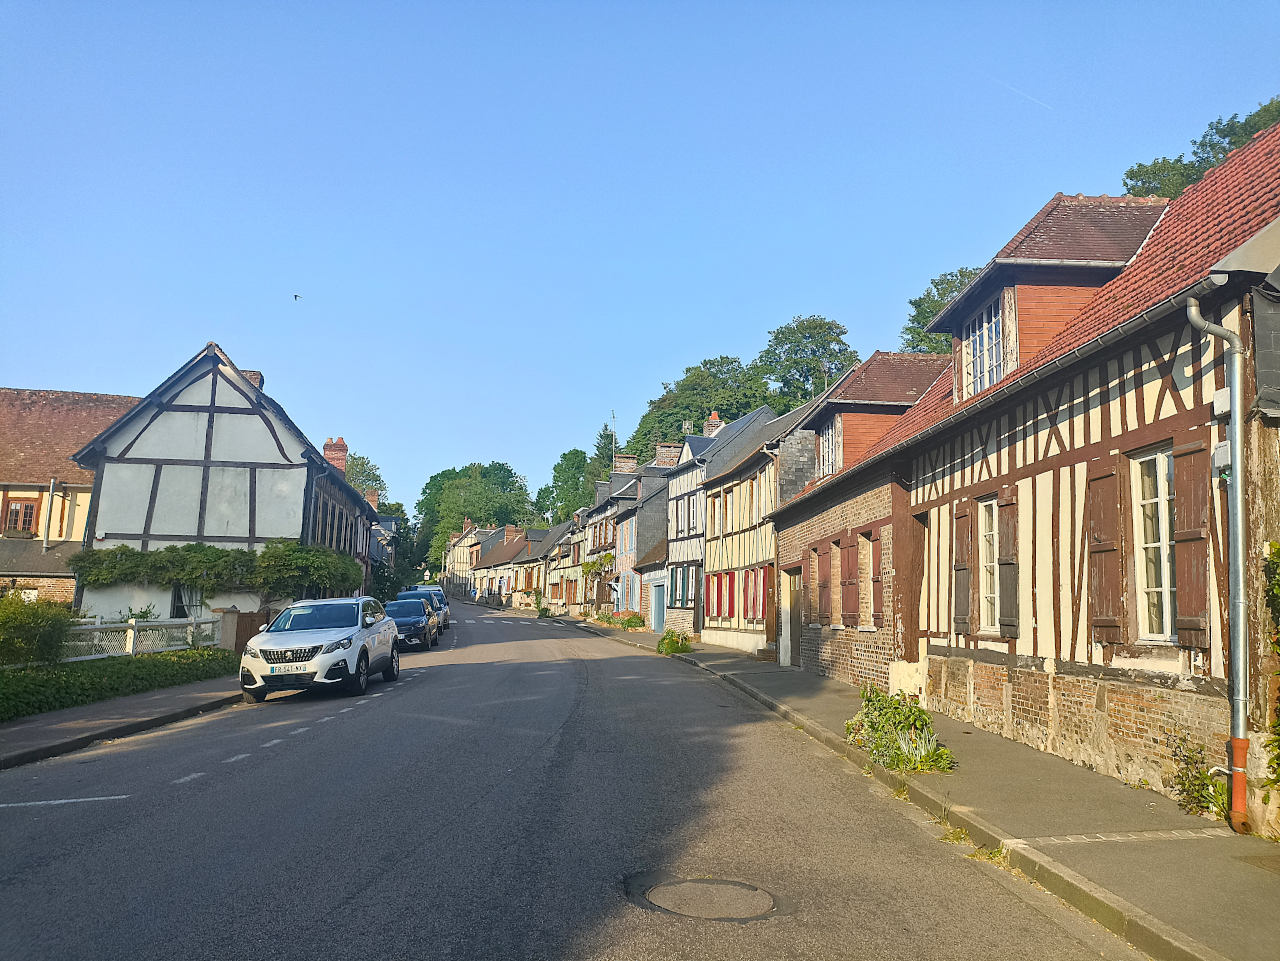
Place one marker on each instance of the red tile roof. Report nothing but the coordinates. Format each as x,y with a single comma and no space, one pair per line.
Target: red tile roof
1232,203
41,429
891,378
1080,228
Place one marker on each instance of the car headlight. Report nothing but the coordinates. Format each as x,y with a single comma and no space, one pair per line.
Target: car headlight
341,645
250,650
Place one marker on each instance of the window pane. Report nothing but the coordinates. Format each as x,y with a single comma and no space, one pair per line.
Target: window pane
1155,613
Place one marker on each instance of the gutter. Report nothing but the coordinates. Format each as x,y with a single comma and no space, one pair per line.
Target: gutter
1237,626
1151,315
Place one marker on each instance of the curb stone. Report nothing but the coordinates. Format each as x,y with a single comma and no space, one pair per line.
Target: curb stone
30,755
1144,931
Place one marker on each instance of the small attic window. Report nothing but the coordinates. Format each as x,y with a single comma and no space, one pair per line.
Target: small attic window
982,349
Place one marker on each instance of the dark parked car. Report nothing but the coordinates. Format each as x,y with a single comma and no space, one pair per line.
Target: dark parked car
416,621
422,590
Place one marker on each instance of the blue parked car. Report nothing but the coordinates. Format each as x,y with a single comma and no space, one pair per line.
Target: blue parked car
416,621
435,591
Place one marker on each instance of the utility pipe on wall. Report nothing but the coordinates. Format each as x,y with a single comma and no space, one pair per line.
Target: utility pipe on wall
48,514
1237,626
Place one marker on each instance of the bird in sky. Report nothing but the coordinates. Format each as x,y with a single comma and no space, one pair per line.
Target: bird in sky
297,296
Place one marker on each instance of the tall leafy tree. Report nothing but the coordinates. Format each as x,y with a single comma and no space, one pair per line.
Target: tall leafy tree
722,384
571,488
491,494
364,475
801,359
940,292
1170,176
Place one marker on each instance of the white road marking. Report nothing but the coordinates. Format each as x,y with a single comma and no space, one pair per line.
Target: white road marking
189,777
365,701
470,621
65,800
299,730
344,710
238,757
323,719
379,694
272,743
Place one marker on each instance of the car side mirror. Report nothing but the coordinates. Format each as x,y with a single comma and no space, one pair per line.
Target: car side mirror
370,620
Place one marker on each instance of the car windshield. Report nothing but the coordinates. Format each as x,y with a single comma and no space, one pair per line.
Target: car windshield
405,609
318,618
433,601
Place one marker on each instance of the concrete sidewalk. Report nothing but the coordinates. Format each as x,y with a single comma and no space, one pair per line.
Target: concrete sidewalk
45,735
1175,886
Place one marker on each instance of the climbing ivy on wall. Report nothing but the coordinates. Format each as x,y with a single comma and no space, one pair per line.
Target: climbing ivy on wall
283,569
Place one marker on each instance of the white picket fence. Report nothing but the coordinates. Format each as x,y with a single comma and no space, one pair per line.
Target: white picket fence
114,639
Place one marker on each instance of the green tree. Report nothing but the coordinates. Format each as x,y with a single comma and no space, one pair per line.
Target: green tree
601,462
490,494
571,488
940,292
1170,176
801,359
364,476
723,384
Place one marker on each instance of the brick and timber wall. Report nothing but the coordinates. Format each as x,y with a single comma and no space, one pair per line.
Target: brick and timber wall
680,619
1118,726
828,646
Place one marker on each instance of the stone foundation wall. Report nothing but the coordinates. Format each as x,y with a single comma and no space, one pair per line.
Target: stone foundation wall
1115,726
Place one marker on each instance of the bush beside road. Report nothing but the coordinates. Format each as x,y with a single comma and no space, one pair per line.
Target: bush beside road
33,690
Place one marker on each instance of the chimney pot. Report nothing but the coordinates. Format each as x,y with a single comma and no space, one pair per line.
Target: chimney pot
335,452
712,425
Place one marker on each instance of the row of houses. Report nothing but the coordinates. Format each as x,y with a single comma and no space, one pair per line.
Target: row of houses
1056,533
207,457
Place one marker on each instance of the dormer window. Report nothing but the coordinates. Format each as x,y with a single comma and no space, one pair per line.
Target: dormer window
982,349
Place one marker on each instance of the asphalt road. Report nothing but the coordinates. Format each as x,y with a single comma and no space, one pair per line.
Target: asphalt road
491,805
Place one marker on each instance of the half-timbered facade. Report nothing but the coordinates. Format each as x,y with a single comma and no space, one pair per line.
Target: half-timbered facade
208,458
744,482
460,556
44,497
1065,502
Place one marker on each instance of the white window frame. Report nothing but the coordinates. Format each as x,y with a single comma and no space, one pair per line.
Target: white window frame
983,348
1162,546
988,566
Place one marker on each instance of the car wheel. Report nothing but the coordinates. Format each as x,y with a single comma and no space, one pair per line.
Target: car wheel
254,697
393,669
359,682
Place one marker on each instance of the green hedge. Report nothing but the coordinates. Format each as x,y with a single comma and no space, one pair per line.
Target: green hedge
33,690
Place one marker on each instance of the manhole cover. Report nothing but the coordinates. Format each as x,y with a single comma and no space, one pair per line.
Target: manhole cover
710,899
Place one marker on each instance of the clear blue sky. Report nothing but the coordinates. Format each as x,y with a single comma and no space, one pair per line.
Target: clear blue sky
506,220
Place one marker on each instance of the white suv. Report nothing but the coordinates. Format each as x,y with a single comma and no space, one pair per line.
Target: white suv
330,643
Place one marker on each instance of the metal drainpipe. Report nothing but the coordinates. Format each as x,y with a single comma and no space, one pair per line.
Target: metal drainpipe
48,515
1235,569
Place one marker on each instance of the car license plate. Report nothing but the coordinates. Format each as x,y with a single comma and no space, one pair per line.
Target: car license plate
289,669
399,636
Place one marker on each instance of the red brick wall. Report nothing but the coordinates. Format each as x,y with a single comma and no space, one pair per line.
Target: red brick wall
1043,312
50,588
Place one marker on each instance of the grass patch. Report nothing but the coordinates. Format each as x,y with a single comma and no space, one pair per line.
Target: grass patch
997,856
956,836
34,690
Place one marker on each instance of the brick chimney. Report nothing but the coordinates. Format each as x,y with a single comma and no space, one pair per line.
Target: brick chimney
335,452
625,463
668,455
510,533
466,523
254,377
372,497
712,425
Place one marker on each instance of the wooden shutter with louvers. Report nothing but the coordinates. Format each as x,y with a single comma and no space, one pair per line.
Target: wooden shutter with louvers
1007,560
824,584
1191,486
849,580
960,569
732,592
877,582
1106,538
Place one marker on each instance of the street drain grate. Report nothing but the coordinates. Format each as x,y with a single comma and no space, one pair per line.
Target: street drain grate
708,899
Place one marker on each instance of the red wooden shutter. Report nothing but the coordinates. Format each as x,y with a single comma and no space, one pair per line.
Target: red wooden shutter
1191,486
960,569
732,593
1105,533
877,582
1007,560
